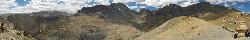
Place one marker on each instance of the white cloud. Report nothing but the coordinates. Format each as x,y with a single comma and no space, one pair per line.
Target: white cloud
224,1
5,5
104,2
71,6
185,4
126,1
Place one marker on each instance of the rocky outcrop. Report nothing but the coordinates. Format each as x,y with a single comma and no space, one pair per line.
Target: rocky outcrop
8,33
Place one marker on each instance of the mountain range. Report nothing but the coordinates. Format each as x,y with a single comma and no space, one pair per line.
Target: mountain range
201,21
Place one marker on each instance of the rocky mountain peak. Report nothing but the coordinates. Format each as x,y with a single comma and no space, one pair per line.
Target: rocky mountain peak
119,6
92,9
115,12
96,8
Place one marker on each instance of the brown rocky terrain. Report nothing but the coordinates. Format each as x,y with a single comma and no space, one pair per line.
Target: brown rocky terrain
8,33
187,28
201,21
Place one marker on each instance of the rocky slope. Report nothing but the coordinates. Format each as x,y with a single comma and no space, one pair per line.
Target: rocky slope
8,33
187,28
117,22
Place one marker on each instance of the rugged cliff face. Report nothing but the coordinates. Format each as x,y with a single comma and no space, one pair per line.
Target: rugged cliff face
118,22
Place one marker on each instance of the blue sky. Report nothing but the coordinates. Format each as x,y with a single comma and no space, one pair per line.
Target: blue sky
242,6
245,7
22,2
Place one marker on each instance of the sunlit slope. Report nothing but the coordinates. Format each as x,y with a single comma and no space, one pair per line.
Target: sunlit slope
187,28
